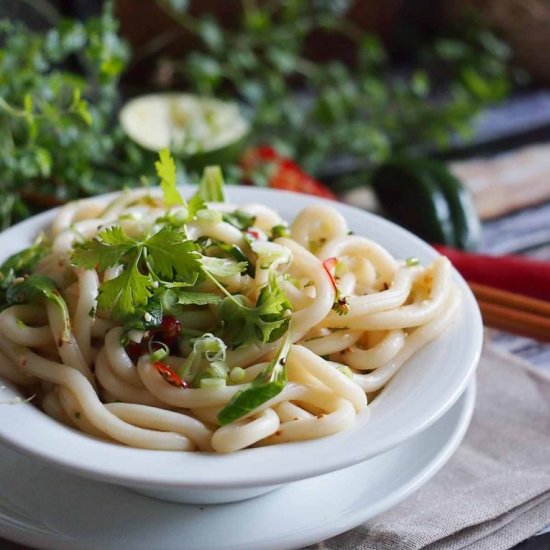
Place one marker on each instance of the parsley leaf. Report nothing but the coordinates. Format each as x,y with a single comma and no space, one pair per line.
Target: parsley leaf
125,293
106,250
21,263
266,322
172,256
146,317
166,171
25,261
197,298
195,204
223,267
39,287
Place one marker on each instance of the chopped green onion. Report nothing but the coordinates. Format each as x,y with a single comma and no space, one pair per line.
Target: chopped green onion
236,375
411,262
270,254
159,354
209,216
279,231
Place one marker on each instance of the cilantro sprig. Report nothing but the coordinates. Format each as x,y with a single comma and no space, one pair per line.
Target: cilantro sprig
36,288
167,254
166,171
161,270
20,264
265,322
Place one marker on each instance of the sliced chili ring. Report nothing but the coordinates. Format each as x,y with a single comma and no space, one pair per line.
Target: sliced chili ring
169,375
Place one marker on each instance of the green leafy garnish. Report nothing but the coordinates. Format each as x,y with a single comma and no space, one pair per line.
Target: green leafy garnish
166,254
36,288
266,322
196,298
223,267
166,171
125,293
171,255
269,383
21,263
239,219
232,251
211,185
146,317
106,250
25,261
195,205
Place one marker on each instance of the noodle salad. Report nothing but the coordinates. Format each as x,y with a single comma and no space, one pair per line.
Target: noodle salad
173,324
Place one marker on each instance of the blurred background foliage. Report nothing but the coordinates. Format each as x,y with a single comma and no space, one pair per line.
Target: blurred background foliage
340,86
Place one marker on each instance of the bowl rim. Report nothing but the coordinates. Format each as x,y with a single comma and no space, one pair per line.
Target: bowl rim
147,468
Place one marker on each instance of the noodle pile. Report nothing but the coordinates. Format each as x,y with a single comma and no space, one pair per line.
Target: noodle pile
355,315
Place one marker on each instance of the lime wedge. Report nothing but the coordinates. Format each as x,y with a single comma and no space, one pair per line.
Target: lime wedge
201,130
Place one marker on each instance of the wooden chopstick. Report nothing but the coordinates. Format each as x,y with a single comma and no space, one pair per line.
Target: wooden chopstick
513,312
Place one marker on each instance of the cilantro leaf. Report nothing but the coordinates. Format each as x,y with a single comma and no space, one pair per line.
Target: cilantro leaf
172,256
106,250
166,171
25,261
239,219
223,267
125,293
146,317
21,263
195,204
266,322
269,383
197,298
35,288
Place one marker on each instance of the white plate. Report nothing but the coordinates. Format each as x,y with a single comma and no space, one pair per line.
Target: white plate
424,389
43,507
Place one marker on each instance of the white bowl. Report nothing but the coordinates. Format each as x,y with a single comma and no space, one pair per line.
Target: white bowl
423,390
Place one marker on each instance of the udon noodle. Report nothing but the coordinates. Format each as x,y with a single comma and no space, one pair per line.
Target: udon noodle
358,315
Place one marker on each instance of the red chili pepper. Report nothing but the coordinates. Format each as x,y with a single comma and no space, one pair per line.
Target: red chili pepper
168,333
329,264
169,375
282,172
135,351
511,273
169,330
254,234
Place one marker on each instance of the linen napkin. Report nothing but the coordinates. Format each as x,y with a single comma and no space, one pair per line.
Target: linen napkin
495,490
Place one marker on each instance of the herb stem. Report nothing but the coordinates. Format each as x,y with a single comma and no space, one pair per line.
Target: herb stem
219,285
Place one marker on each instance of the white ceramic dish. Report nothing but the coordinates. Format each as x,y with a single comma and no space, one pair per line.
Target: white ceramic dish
49,509
423,390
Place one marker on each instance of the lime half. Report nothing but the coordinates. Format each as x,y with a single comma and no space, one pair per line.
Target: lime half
199,129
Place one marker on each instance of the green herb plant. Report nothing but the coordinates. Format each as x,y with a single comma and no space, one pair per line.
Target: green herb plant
364,109
58,100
